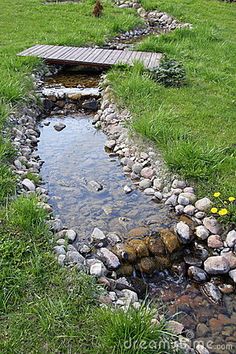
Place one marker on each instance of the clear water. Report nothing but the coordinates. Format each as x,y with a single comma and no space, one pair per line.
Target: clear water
74,157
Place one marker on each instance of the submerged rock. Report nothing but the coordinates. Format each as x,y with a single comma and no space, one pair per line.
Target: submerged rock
147,265
155,246
197,274
212,292
95,186
170,240
59,126
140,247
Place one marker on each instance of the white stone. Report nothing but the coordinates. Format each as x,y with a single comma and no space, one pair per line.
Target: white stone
176,191
28,184
149,191
147,172
175,327
61,259
137,168
202,232
97,269
110,144
129,296
200,215
203,204
178,184
179,209
109,258
182,200
97,235
113,238
74,257
231,238
145,183
189,210
200,349
71,235
158,195
59,250
172,200
212,225
190,196
127,189
158,184
216,265
232,275
183,232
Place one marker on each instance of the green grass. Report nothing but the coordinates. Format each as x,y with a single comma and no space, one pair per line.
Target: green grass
45,308
194,126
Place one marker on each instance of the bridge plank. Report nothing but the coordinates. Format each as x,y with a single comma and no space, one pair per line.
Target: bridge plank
90,55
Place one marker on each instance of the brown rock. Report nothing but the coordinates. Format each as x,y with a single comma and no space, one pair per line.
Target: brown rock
147,265
138,232
125,252
226,288
155,246
202,330
170,240
188,221
105,299
162,262
140,247
126,270
75,96
60,103
216,325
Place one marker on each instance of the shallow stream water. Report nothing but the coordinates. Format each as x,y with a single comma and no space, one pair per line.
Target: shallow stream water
73,158
76,156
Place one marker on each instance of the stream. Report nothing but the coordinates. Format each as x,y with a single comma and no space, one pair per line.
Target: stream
86,190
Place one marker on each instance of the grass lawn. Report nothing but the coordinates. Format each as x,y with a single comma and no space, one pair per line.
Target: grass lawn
44,308
195,126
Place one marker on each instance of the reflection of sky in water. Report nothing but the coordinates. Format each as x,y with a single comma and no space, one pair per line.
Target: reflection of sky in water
76,156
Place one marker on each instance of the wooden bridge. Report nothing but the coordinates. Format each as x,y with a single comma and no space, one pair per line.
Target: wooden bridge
91,56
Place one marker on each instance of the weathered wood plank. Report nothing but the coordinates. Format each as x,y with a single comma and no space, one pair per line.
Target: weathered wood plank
92,56
154,61
105,55
113,59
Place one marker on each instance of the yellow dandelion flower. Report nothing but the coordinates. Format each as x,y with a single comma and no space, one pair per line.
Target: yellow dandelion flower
216,194
231,199
223,212
214,210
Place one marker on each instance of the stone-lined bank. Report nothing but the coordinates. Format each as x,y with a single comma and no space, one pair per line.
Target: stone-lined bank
154,22
207,249
149,174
